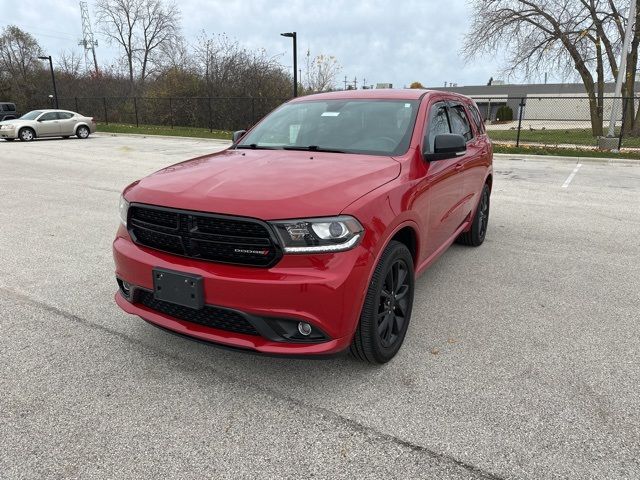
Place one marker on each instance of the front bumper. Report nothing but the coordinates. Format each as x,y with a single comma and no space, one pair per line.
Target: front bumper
326,291
9,133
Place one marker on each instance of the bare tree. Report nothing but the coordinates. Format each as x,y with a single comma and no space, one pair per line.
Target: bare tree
582,37
70,64
321,73
142,29
19,64
229,69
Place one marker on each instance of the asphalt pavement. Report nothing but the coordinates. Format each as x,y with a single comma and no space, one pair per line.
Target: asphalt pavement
522,359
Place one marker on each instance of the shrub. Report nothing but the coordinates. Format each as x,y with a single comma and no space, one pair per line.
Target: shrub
504,114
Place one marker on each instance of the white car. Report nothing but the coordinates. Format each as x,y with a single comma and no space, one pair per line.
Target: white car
47,123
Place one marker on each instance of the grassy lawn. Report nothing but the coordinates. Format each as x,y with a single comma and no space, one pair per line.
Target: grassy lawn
163,130
563,152
555,137
584,135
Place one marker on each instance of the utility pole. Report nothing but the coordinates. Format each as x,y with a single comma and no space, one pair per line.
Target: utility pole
355,83
623,68
345,82
88,41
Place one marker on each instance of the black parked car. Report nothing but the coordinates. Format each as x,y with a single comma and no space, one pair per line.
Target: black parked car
7,111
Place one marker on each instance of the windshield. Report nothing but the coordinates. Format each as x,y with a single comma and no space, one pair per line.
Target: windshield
32,115
377,127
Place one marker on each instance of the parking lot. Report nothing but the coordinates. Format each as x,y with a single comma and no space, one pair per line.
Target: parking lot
522,359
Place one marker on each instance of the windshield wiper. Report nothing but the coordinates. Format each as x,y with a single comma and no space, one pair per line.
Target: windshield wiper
255,146
314,148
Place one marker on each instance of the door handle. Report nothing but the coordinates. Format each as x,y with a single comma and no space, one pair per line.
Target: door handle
459,167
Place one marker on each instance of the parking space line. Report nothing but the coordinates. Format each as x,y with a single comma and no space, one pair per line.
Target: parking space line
570,177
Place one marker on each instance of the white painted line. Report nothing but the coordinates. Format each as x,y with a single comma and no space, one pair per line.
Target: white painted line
570,177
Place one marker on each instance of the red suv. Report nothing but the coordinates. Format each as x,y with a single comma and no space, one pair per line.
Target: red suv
306,235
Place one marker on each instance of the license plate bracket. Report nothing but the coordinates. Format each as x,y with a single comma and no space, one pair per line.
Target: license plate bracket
180,288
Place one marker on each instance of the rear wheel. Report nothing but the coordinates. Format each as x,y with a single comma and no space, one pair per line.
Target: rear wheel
476,234
82,132
26,134
387,307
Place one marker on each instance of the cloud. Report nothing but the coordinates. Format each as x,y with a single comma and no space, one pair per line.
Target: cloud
383,41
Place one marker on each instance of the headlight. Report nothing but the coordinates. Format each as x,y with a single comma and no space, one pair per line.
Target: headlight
319,235
8,127
124,209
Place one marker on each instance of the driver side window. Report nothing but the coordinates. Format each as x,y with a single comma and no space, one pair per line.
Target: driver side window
438,125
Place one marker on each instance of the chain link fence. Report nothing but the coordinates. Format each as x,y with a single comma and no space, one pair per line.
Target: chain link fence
213,113
559,121
546,121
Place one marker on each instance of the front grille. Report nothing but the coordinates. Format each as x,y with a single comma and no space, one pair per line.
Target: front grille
204,236
209,316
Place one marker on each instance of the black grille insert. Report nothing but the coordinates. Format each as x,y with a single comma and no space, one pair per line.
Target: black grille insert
216,238
209,316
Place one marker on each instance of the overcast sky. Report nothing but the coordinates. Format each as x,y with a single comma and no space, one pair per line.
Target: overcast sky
378,40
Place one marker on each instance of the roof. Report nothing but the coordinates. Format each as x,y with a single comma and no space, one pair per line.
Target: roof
378,93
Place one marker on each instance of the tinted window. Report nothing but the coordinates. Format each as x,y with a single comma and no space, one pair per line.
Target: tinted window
48,116
378,127
64,115
459,122
438,124
477,118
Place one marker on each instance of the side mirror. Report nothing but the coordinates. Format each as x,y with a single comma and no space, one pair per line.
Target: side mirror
237,135
446,146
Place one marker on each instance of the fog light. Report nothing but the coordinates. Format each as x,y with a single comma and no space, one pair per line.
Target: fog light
126,288
304,329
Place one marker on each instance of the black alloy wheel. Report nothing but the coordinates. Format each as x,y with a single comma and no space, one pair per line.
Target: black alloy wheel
393,303
386,311
478,231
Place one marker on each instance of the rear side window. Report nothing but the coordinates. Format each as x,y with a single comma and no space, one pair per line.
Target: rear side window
459,121
9,107
64,115
477,118
438,125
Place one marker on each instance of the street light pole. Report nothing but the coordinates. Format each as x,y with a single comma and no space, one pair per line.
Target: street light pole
295,60
53,79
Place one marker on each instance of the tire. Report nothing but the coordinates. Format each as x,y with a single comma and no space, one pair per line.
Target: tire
65,136
9,139
26,134
373,342
82,132
476,234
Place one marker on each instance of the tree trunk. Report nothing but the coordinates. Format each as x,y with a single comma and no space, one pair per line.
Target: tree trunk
597,119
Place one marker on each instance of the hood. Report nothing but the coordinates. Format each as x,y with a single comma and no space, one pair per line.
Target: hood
266,184
14,121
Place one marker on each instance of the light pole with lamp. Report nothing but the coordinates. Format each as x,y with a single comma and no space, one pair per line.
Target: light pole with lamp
295,60
53,79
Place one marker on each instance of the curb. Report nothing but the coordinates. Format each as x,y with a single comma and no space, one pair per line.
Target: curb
149,135
600,161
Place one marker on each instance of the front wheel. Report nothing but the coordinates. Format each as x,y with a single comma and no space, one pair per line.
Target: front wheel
82,132
387,307
26,134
